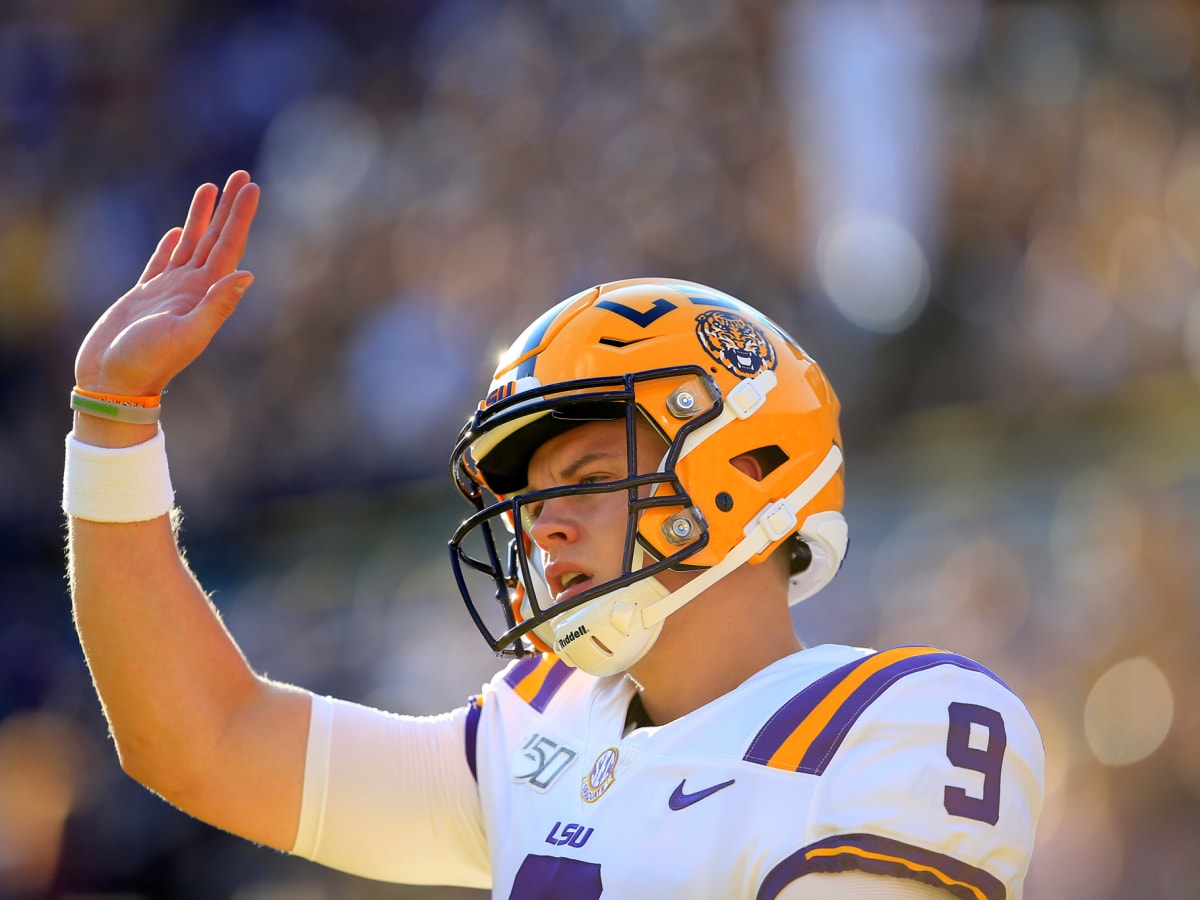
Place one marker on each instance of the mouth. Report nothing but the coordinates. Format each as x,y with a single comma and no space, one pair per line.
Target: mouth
568,583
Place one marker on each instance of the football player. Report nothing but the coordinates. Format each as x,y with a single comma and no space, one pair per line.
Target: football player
657,473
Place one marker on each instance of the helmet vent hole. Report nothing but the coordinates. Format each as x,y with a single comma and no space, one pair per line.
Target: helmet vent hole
768,459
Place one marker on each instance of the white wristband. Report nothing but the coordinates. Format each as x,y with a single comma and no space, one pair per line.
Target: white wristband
124,484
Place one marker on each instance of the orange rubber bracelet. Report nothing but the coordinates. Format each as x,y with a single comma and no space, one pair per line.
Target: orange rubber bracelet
122,400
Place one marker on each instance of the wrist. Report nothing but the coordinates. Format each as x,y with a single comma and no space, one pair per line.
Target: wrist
105,433
106,387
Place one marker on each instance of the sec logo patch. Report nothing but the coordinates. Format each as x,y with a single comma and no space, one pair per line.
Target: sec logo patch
601,776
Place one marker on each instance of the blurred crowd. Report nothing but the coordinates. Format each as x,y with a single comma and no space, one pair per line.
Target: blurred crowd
983,219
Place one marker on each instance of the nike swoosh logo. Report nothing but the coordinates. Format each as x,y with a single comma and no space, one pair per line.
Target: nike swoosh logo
679,800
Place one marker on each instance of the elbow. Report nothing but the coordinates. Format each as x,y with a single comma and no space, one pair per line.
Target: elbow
155,763
140,763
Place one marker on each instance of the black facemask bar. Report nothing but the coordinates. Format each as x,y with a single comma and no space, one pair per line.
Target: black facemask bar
506,570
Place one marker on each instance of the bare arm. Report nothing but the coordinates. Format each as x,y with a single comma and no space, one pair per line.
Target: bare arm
190,718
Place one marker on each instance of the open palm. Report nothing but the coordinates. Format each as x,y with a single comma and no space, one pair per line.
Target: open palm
190,286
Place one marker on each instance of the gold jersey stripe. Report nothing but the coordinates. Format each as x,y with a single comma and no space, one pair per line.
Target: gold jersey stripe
792,750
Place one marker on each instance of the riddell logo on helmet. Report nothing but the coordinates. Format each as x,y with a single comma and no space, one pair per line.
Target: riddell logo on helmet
572,635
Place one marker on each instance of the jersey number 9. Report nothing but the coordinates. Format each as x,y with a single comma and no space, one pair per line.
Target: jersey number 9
967,748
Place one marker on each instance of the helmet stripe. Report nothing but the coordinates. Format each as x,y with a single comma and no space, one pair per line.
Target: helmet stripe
535,336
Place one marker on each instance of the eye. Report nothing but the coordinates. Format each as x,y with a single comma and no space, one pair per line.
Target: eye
529,514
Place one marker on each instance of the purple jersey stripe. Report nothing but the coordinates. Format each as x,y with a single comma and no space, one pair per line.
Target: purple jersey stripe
792,714
826,744
559,673
883,856
474,706
520,669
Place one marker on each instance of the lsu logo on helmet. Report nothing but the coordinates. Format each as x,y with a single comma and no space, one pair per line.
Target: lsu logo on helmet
502,390
735,343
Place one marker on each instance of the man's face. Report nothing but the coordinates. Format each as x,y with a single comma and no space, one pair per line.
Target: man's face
582,537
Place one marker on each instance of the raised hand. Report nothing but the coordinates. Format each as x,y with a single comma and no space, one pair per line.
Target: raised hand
190,286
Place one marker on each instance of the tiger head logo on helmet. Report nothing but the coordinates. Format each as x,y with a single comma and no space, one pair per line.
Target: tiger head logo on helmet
735,343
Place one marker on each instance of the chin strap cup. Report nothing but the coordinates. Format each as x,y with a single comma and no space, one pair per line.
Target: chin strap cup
828,538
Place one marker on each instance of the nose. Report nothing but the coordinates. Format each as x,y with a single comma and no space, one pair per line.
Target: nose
556,522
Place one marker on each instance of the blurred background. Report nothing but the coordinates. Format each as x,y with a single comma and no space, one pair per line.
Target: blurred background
983,219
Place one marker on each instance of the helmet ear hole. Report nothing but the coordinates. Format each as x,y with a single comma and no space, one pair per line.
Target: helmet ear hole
761,462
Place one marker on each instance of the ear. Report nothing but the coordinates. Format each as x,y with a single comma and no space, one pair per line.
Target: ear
749,464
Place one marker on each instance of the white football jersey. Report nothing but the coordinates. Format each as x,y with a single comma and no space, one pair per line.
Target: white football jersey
912,763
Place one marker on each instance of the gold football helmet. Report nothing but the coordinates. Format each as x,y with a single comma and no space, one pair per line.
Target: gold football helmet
718,380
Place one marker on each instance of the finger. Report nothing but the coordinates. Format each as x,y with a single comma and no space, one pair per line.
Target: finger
231,244
236,182
162,254
197,220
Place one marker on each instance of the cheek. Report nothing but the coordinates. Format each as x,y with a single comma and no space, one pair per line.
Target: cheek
607,520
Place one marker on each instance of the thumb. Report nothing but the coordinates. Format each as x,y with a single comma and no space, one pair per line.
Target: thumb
222,298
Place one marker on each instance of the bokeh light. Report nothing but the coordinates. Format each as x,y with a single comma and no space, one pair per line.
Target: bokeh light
874,271
1128,713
